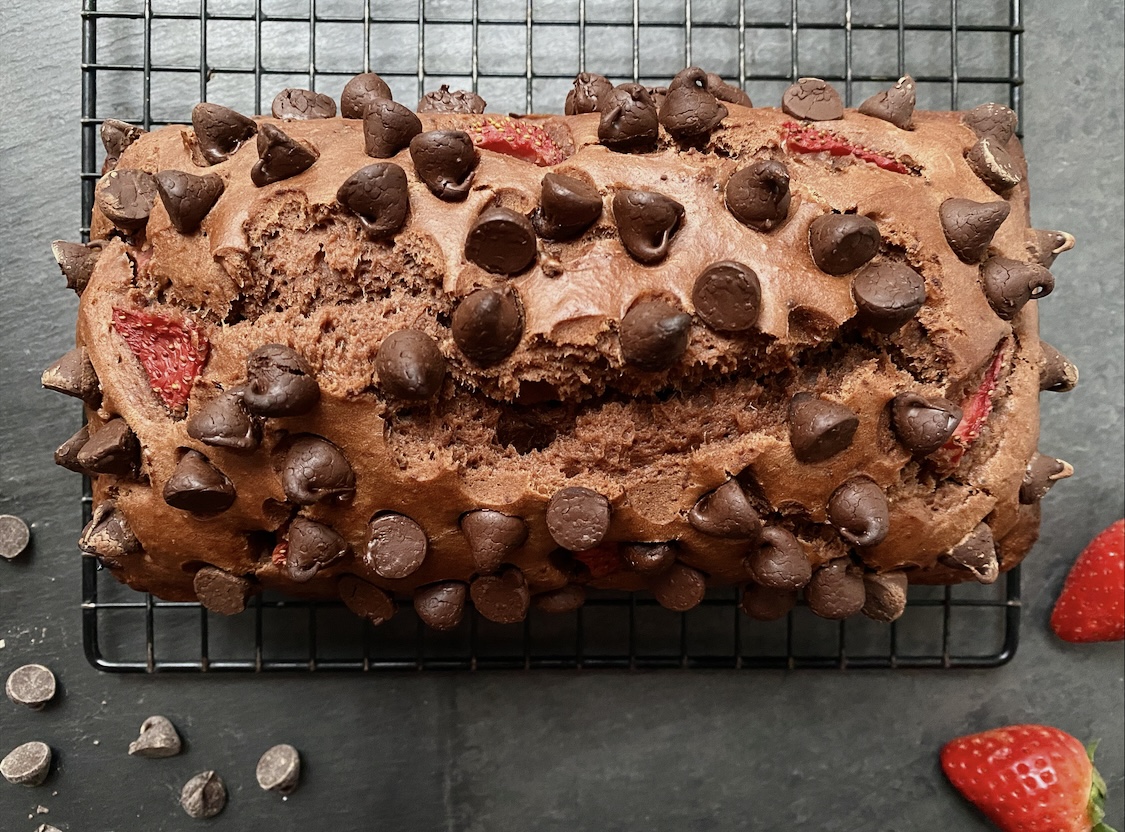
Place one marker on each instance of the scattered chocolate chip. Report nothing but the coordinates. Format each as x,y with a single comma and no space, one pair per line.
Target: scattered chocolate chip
441,606
859,511
116,136
360,92
32,685
646,221
819,429
764,604
279,769
445,161
836,590
813,100
727,296
220,131
14,536
578,518
112,449
923,425
567,207
654,335
884,595
366,600
108,536
562,600
689,111
224,422
280,156
991,121
313,546
501,241
220,591
126,198
198,486
895,105
396,546
46,827
410,365
204,795
970,226
649,558
492,536
316,471
1047,245
76,261
841,243
887,295
388,127
188,198
73,375
977,554
590,92
993,164
379,196
1010,284
503,597
488,325
780,561
679,588
445,100
298,105
1042,473
158,738
279,382
1056,373
758,195
726,512
27,764
629,120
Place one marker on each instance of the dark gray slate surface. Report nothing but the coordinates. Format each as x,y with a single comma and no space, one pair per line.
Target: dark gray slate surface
555,751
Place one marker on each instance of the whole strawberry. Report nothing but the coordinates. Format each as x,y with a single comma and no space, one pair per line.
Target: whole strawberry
1092,604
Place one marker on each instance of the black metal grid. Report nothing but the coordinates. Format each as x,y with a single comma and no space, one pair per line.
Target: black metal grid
149,61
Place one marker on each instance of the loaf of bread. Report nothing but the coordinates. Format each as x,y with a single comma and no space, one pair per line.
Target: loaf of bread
665,342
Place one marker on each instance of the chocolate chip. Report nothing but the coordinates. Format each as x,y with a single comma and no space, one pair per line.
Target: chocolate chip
492,536
1010,284
726,512
410,365
14,536
73,375
887,295
819,429
895,105
488,325
32,685
723,91
66,454
884,595
923,425
76,261
1056,373
562,600
27,764
859,511
1047,245
578,518
279,382
567,207
116,136
280,156
366,600
198,486
649,558
813,100
976,553
503,598
158,738
188,198
780,561
204,795
279,769
388,127
836,590
654,335
758,195
379,196
126,198
501,241
689,111
396,546
992,121
445,161
312,546
221,592
298,105
993,164
727,296
441,606
445,100
764,604
220,131
841,243
590,92
225,423
108,536
316,471
360,92
112,449
629,120
679,588
1042,473
970,226
646,221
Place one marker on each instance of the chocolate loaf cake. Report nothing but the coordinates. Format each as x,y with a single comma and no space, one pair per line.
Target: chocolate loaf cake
667,341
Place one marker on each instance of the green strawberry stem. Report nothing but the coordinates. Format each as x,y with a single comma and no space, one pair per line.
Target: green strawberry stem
1096,807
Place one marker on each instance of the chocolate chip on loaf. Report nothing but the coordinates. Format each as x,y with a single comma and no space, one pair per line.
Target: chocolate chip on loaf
388,128
220,131
316,471
280,156
300,105
690,111
991,121
812,99
1041,474
126,197
441,606
758,195
895,105
726,512
836,590
488,325
409,365
73,375
589,93
567,207
396,545
765,604
108,536
727,296
841,243
379,195
819,429
976,554
279,382
198,486
503,598
859,511
649,558
362,91
312,547
994,165
646,222
220,591
1009,284
1045,246
224,422
1056,372
562,600
492,536
578,518
444,100
366,600
188,198
501,241
887,295
970,226
116,136
445,161
654,335
112,449
779,562
884,595
76,262
923,425
679,588
629,120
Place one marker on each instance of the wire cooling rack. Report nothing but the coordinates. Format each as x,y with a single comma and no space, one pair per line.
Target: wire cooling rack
150,61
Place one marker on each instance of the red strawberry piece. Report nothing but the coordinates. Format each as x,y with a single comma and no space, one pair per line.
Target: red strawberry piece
975,409
601,560
515,137
805,138
171,350
1028,778
280,553
1092,604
